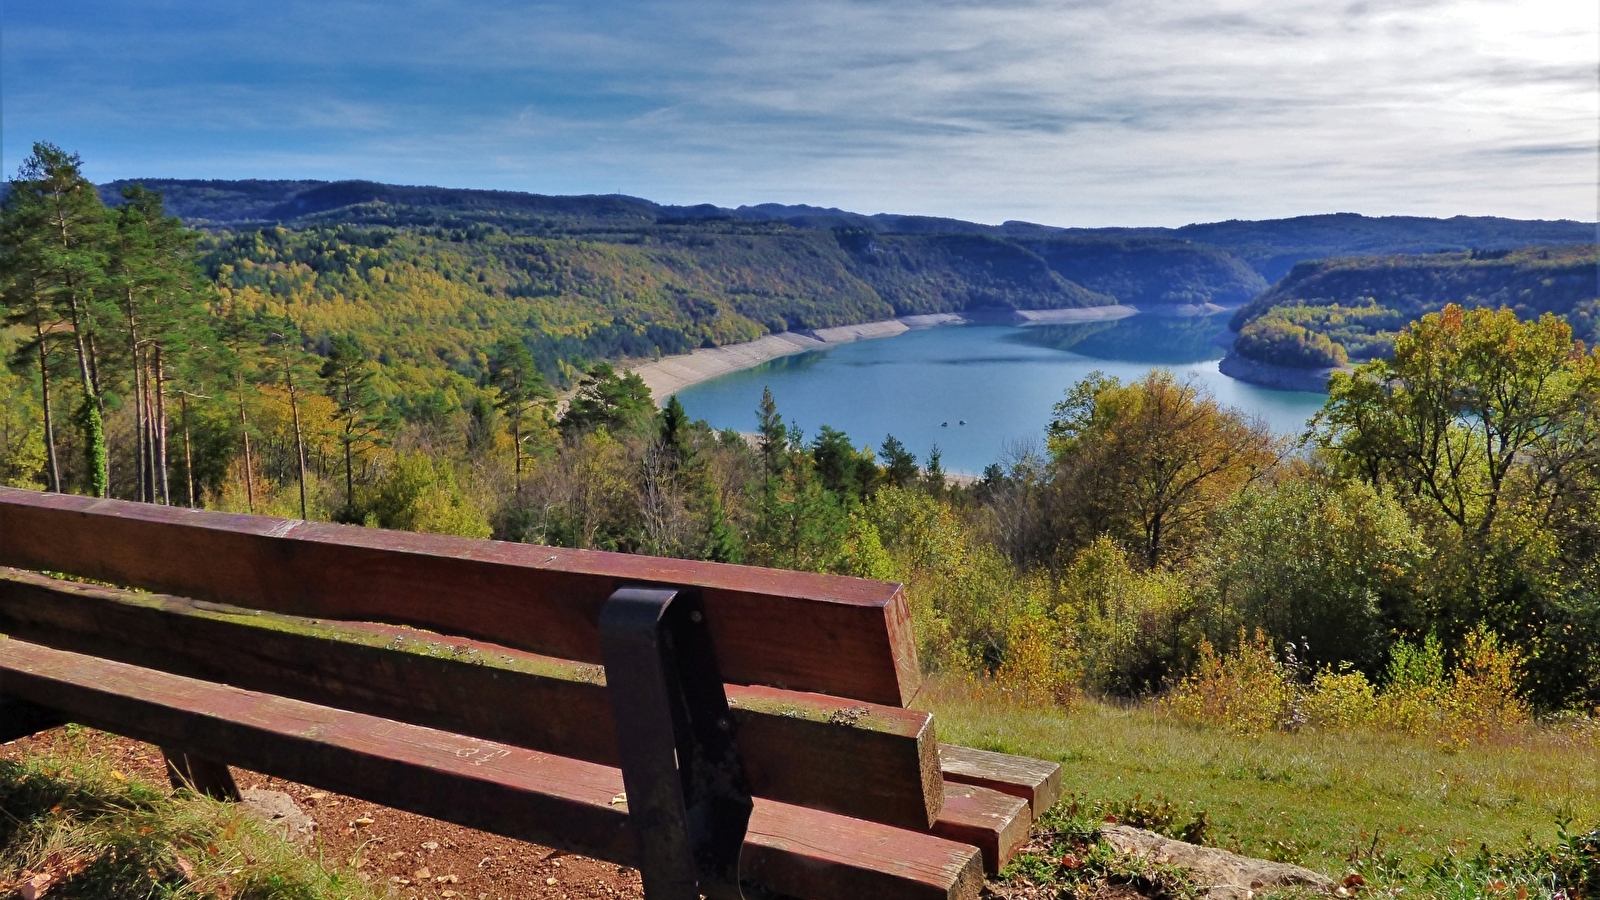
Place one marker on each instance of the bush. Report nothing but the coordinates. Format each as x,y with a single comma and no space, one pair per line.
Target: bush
1339,699
1332,567
1252,690
1041,664
1137,628
420,494
1249,691
1483,700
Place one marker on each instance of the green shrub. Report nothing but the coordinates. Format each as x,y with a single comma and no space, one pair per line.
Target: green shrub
1137,628
1248,691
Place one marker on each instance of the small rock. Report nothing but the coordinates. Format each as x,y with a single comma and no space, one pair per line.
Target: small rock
430,846
34,887
399,854
280,811
185,868
1222,875
550,882
446,879
363,822
448,894
422,874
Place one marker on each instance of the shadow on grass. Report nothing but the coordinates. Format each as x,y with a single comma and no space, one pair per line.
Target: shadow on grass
77,829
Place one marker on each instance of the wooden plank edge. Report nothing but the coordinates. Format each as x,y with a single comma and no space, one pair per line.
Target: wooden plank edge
572,805
1037,781
997,824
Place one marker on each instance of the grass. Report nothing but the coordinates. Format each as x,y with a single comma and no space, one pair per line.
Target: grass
95,833
1319,799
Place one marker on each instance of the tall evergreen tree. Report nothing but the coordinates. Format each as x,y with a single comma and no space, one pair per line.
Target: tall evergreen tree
513,371
153,281
54,231
899,465
774,443
347,376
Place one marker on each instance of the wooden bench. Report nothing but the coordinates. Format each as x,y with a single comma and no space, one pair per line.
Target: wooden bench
752,732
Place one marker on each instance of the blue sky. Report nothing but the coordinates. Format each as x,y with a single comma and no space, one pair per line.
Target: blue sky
1076,112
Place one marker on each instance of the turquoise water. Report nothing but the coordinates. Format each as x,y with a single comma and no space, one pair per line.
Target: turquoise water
1002,380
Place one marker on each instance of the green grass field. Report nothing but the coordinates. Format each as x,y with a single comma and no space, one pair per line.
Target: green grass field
1312,798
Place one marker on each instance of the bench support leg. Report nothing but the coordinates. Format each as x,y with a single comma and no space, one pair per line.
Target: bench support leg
201,775
687,797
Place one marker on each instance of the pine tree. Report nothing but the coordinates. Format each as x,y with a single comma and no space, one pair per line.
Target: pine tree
774,435
900,466
348,376
53,237
513,371
153,281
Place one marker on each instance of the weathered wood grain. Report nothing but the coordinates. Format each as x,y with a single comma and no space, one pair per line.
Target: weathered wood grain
1034,780
517,793
993,822
847,637
865,760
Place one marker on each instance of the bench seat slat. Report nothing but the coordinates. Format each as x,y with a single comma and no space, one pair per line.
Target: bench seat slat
848,637
996,823
1034,780
514,792
863,760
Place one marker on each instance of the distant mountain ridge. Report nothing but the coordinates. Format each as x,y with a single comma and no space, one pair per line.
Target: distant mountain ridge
1269,247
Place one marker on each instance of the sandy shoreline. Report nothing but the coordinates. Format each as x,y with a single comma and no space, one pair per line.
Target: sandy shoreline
670,374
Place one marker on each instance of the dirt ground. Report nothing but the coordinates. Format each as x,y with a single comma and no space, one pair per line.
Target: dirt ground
413,856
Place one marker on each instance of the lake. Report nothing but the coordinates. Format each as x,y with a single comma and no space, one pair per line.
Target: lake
1002,380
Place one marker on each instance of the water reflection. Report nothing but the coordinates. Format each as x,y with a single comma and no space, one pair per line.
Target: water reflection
1167,340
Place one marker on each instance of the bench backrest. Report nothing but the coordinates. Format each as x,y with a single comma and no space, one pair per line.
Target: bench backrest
846,637
315,612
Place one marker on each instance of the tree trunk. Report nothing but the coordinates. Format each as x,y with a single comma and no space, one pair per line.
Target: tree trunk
516,452
49,420
188,448
349,479
149,426
244,429
162,480
138,399
140,431
299,438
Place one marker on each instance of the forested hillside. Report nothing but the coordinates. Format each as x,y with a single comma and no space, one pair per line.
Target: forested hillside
1329,312
1227,262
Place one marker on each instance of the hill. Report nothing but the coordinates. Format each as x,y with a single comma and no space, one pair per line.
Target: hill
1329,312
1270,247
430,275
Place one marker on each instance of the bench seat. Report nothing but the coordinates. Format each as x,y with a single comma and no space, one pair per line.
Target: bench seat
556,801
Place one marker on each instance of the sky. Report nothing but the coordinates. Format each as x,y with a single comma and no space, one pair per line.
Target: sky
1066,112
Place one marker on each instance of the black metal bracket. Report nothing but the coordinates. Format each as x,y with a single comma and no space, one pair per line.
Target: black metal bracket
688,801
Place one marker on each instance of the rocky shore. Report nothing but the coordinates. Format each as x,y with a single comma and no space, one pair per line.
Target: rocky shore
670,374
1280,378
